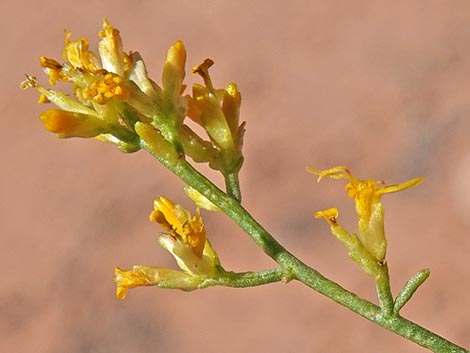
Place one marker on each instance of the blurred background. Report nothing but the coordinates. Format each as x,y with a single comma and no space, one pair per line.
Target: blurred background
381,87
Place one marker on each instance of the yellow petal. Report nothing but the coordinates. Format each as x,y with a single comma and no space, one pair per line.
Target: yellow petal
165,214
200,200
173,71
110,49
138,74
77,54
174,218
231,107
53,68
196,234
330,215
212,116
138,276
399,187
69,124
203,71
335,173
58,98
141,275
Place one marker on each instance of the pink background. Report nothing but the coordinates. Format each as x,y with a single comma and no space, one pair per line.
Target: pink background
382,87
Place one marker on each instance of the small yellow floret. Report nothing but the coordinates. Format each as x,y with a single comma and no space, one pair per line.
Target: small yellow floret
366,195
178,221
59,121
69,124
53,68
138,276
109,86
330,215
77,54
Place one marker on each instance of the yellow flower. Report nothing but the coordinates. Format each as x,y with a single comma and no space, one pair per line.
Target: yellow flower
330,215
173,75
78,56
356,249
68,124
369,209
178,221
217,111
186,239
111,91
141,275
112,56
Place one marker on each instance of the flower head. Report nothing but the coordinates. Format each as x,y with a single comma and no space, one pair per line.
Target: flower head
114,100
217,111
366,195
186,239
178,221
111,90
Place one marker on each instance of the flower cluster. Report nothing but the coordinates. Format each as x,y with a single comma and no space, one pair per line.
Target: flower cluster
369,249
116,101
186,241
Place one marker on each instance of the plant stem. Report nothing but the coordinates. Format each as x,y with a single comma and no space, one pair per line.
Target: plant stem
409,289
301,271
246,279
232,185
384,292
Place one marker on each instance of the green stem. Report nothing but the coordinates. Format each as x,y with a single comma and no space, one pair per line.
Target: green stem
232,185
301,271
246,279
409,289
384,292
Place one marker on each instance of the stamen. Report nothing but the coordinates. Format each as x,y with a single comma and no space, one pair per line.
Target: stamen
30,82
203,71
109,86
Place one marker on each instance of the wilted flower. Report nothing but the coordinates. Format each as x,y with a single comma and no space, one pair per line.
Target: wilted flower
369,209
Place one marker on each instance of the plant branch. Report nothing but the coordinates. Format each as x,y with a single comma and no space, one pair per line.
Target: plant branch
409,289
384,292
301,271
246,279
232,185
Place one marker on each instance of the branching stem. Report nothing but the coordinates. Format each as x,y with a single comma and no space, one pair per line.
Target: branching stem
303,273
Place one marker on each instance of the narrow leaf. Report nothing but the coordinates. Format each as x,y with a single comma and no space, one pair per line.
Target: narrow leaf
409,289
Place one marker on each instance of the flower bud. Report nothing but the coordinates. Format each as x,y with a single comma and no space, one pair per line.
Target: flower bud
173,72
68,124
156,143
